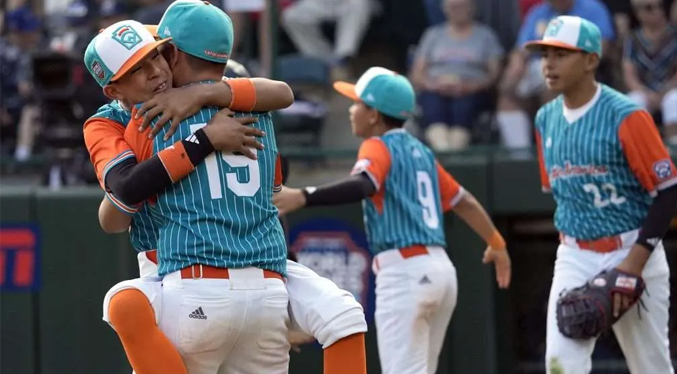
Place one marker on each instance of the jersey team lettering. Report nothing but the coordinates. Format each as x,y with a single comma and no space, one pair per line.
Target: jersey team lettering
569,170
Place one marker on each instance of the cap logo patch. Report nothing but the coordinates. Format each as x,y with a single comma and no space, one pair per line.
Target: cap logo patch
554,27
127,36
98,70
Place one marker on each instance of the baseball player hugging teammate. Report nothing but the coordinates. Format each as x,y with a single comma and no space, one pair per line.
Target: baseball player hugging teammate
148,350
334,317
405,192
614,184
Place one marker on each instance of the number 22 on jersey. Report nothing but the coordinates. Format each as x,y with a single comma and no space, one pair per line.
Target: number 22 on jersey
242,189
598,200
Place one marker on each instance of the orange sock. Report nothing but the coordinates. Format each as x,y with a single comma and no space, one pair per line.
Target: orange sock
346,356
148,349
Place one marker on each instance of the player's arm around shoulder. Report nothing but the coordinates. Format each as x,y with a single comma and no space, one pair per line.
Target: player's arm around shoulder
272,94
111,219
237,94
105,142
465,205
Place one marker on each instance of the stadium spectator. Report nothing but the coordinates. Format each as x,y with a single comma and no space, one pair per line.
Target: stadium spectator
18,109
78,30
523,80
11,103
302,21
85,18
434,12
456,64
650,63
150,13
240,12
526,5
621,11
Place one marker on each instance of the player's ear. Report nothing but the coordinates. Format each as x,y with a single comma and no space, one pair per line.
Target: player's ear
374,116
166,50
112,92
591,62
173,55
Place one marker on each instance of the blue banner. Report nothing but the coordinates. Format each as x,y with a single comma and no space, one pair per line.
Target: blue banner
338,251
19,258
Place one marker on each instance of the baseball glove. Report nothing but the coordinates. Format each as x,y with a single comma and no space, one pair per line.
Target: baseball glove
587,311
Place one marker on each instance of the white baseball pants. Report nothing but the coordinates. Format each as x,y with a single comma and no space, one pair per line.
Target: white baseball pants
644,340
318,308
415,298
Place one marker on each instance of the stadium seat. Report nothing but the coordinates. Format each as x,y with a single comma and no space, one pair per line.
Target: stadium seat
484,131
301,124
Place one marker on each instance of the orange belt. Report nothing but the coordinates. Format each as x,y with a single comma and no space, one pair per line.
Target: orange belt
414,250
211,272
602,245
407,252
152,256
194,271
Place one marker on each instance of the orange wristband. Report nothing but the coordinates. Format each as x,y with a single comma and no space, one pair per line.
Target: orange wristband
496,241
243,94
176,161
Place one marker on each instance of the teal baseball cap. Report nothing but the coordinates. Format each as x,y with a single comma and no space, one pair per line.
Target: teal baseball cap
569,32
382,89
199,29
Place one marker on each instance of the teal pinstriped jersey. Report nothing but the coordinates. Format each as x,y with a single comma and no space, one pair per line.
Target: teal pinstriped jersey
596,192
411,213
143,230
222,213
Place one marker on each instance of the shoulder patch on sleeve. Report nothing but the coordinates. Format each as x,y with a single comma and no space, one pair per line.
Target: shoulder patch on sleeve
662,169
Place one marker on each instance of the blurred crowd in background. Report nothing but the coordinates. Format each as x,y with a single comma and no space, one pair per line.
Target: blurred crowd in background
475,84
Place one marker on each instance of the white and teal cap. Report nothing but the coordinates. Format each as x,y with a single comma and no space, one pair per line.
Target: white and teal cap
569,32
118,48
384,90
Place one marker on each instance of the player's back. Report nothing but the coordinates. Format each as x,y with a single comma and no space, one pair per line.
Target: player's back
596,191
406,211
222,214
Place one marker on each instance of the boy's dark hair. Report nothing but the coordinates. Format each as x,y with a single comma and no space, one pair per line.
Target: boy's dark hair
198,64
392,122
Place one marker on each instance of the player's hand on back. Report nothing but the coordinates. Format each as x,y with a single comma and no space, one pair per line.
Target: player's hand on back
175,105
501,260
289,200
230,134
